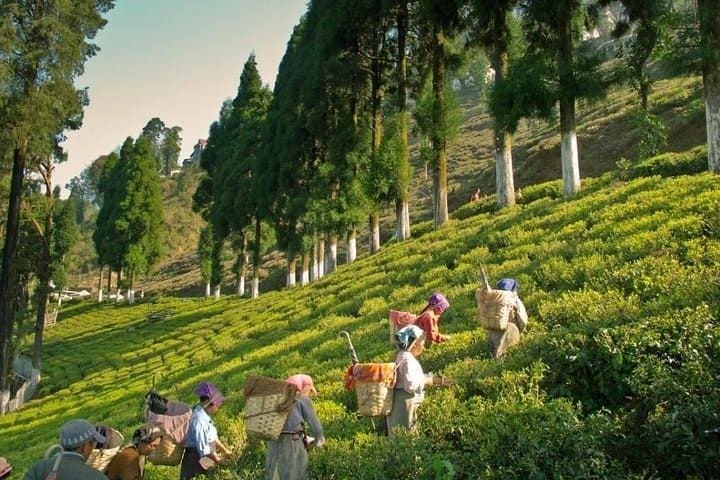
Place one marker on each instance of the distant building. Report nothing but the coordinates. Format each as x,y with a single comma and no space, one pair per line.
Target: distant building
194,159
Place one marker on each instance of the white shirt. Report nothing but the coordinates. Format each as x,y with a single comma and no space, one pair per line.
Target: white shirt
410,375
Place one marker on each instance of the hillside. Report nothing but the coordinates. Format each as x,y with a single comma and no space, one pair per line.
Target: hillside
617,377
605,135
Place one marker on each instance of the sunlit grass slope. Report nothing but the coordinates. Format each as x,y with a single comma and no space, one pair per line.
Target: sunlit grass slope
617,377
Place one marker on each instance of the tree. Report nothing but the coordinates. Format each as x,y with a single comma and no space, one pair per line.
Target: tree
489,20
45,49
709,18
139,223
154,131
170,149
554,29
443,19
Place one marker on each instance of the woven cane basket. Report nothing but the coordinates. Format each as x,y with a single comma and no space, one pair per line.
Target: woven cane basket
100,458
494,308
374,398
167,453
262,418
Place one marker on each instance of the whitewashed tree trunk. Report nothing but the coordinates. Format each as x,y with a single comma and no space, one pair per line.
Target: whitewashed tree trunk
709,15
100,286
374,234
241,285
207,289
568,139
505,182
131,296
217,292
402,213
331,263
314,270
118,293
351,246
321,256
255,287
305,275
291,261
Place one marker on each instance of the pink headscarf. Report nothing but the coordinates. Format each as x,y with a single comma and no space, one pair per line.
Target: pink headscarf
300,381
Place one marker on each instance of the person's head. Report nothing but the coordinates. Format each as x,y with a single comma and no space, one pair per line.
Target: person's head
147,439
508,284
210,397
438,303
80,436
5,468
410,339
303,383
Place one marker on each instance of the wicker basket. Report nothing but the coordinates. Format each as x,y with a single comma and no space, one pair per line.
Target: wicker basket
263,419
398,320
494,308
167,453
374,399
100,458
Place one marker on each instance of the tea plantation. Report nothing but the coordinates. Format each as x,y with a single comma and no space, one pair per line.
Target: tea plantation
618,376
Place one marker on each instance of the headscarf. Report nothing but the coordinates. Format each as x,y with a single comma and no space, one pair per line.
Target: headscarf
209,390
407,335
439,301
300,381
508,284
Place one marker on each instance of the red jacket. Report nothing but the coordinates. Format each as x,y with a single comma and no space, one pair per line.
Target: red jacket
428,321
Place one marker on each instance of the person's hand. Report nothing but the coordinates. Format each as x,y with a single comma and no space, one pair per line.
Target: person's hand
441,381
446,337
319,442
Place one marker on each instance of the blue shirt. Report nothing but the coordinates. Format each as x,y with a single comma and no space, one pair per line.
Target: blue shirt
201,432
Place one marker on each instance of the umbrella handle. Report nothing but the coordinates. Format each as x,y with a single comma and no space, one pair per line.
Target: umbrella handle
353,353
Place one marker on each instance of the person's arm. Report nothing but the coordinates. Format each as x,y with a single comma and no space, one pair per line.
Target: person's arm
521,316
222,448
309,415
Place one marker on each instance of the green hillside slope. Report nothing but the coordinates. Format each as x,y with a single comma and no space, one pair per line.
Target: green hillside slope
617,377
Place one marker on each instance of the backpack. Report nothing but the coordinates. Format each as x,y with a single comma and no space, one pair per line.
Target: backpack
495,307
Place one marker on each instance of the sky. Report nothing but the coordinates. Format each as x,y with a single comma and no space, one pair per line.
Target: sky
176,60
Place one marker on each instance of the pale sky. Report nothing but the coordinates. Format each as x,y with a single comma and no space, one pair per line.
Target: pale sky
173,59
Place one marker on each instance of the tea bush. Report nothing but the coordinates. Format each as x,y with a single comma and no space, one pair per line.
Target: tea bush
616,376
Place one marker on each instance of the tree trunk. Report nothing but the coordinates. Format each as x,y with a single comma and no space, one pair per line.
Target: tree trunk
331,263
305,275
243,267
255,286
109,279
321,256
217,292
374,232
291,261
568,138
314,269
709,15
44,273
255,293
504,179
351,245
439,139
402,207
208,289
100,286
131,290
7,273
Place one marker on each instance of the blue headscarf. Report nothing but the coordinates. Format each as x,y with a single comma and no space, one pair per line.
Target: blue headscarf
407,335
508,284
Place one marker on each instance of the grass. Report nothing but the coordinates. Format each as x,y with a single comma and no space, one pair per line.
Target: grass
617,375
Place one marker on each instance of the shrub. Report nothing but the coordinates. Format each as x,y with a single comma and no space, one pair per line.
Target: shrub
673,164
